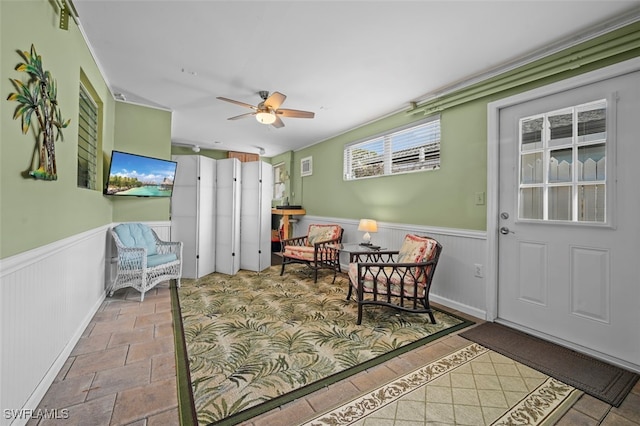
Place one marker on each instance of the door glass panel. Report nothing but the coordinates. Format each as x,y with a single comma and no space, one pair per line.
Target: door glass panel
592,123
531,203
591,160
560,203
591,202
532,134
560,162
563,164
531,168
560,129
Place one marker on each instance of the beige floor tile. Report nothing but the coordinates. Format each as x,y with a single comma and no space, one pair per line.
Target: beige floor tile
119,379
146,350
138,403
98,361
96,412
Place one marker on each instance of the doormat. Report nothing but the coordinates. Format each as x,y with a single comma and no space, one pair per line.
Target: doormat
597,378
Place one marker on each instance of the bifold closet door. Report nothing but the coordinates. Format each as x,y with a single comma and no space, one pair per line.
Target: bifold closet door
228,184
193,213
206,216
184,217
255,216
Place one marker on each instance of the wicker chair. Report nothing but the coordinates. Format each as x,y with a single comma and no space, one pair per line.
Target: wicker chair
143,259
399,279
319,249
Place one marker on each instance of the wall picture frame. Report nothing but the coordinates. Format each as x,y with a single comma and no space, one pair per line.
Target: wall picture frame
306,166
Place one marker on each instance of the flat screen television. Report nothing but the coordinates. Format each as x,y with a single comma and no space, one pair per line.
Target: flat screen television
139,176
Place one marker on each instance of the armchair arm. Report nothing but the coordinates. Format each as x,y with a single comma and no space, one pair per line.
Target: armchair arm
327,250
131,258
166,247
295,241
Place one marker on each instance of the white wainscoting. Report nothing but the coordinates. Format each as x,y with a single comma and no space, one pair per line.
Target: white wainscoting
455,284
48,296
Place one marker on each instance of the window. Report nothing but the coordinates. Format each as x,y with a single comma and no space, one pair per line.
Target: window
408,149
563,163
87,140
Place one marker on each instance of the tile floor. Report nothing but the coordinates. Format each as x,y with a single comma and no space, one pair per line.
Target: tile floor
122,372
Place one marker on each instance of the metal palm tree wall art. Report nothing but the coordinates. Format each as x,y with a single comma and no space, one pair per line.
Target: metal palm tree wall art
38,97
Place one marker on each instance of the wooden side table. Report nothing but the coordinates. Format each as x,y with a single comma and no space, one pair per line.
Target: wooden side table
286,215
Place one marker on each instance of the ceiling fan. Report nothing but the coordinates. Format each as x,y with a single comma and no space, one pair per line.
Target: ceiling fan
268,111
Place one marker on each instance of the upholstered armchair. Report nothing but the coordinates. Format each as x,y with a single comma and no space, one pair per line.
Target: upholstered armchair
399,279
319,249
143,259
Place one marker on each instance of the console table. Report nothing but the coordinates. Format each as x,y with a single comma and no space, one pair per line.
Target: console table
286,215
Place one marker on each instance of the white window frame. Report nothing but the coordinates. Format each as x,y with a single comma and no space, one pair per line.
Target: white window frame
385,142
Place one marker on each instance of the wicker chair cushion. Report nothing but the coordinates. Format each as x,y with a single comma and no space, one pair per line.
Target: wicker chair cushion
387,274
306,253
320,233
160,259
137,235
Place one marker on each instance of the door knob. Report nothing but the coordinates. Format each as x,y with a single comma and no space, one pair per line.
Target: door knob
504,231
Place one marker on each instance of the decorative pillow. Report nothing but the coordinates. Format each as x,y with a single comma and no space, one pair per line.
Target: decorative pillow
320,233
137,235
416,249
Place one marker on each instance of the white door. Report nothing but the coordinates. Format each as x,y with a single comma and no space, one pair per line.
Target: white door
569,204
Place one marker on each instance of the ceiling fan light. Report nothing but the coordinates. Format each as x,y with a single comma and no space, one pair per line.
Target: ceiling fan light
265,117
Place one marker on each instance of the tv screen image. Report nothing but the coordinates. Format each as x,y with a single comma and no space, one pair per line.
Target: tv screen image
140,176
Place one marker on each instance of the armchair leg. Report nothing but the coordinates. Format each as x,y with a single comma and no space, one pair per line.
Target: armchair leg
282,270
350,291
359,314
431,317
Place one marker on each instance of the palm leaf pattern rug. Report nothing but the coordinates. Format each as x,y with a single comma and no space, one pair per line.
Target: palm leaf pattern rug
255,341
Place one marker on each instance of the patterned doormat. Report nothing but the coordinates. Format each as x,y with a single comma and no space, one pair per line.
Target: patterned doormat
255,341
472,386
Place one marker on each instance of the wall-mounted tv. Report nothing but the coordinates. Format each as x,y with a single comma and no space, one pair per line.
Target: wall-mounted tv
139,176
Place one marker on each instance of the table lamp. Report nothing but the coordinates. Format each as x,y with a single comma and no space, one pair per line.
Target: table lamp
367,225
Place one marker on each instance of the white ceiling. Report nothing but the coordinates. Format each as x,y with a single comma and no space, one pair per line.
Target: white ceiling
350,62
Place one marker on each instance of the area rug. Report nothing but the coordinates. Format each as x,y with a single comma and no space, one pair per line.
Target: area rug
599,379
254,341
473,385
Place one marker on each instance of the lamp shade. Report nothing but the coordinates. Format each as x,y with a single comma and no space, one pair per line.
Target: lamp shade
368,225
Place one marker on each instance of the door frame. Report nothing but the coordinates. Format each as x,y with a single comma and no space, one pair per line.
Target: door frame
493,162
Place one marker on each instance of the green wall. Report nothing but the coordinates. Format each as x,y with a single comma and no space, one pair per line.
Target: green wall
444,197
32,212
143,131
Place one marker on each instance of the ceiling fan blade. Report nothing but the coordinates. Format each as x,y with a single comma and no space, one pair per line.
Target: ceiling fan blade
275,100
241,116
237,102
294,113
278,123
